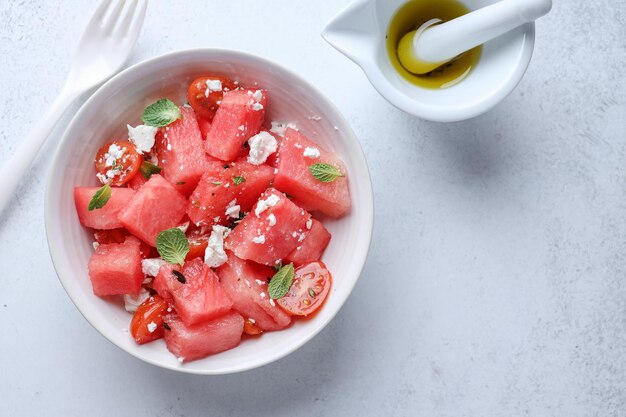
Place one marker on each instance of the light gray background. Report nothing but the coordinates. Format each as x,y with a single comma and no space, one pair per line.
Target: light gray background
495,284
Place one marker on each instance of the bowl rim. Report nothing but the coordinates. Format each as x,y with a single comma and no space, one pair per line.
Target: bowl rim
81,303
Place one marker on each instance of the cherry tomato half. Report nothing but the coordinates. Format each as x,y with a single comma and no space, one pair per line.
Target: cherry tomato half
120,159
197,245
149,316
251,328
205,105
308,291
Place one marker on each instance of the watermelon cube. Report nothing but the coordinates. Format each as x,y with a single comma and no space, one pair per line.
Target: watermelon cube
204,125
115,268
295,155
155,207
189,343
239,117
246,284
221,184
195,292
313,245
181,152
273,229
106,217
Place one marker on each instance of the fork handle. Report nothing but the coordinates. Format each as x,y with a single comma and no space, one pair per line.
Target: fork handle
14,169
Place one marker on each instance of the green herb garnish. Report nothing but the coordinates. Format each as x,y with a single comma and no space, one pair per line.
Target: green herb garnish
281,282
147,169
238,180
100,198
216,182
173,246
325,172
161,113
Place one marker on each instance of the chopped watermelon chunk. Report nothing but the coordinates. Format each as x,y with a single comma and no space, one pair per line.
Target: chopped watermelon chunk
272,230
205,126
157,206
115,268
137,181
197,294
271,160
106,217
294,178
313,245
239,116
181,152
246,284
222,184
189,343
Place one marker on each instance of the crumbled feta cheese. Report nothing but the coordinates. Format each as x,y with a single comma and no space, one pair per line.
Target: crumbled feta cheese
113,154
242,128
131,302
217,219
260,282
151,266
103,179
169,146
184,227
142,137
232,209
294,234
181,359
302,237
272,219
280,128
311,152
252,321
298,146
152,326
261,145
257,106
212,85
309,223
258,95
215,255
95,245
263,205
272,303
259,239
247,282
263,295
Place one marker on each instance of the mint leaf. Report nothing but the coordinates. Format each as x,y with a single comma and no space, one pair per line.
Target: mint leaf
216,182
238,180
281,282
325,172
161,113
173,246
147,169
100,198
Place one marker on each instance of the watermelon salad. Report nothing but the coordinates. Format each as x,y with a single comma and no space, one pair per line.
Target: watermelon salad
208,222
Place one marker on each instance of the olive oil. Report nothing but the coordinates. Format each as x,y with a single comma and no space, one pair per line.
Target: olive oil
410,17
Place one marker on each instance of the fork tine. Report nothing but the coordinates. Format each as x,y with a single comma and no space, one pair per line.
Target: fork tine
128,16
133,29
109,24
98,15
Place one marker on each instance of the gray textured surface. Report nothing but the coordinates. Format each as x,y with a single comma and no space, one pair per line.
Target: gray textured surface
496,280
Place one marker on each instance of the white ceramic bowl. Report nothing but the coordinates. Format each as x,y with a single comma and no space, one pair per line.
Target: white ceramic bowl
122,100
359,33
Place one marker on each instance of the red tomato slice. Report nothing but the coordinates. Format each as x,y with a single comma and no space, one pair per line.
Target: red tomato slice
308,291
149,316
250,328
205,105
123,167
197,245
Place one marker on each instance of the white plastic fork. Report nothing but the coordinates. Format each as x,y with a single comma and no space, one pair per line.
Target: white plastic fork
102,50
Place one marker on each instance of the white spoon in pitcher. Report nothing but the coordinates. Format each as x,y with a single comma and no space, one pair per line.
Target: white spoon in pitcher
435,43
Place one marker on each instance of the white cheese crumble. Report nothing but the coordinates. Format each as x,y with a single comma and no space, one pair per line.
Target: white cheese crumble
309,223
261,145
215,255
263,205
312,153
212,85
151,266
242,128
255,104
217,219
259,239
181,359
113,154
252,321
263,295
294,234
232,209
152,326
260,282
298,146
142,137
272,303
95,245
131,302
184,227
280,128
271,219
302,237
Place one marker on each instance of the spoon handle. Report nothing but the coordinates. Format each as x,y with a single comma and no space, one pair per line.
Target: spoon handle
445,41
